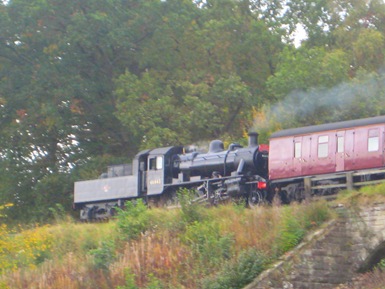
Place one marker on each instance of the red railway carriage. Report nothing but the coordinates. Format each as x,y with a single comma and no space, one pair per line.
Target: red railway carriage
323,158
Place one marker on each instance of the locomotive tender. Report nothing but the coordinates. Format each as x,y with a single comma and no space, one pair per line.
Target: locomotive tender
158,174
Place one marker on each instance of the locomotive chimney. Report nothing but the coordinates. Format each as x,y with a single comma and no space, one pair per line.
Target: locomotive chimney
253,139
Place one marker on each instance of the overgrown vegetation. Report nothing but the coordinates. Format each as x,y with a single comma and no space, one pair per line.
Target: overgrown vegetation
188,247
364,195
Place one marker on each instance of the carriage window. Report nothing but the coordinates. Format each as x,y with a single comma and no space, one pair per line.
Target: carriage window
373,140
297,150
323,146
156,163
340,144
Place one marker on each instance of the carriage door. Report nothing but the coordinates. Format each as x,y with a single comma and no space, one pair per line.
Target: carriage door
349,150
307,164
340,151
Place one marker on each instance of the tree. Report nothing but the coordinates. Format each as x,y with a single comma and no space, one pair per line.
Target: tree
302,69
57,64
168,114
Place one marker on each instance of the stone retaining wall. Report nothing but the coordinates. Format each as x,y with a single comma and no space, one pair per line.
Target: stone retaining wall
332,255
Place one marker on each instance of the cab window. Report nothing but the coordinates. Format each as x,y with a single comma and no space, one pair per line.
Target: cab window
156,163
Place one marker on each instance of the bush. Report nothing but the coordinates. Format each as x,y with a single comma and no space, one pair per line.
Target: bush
316,213
104,255
206,240
153,283
129,280
249,264
133,220
191,212
291,233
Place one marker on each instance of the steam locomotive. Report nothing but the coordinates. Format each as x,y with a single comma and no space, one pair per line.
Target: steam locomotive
157,175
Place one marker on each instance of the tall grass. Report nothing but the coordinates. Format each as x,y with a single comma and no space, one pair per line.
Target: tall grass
190,247
362,196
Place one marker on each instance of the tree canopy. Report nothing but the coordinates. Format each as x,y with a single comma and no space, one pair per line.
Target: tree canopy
84,84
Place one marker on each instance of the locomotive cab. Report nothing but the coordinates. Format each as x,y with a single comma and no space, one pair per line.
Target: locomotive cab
161,169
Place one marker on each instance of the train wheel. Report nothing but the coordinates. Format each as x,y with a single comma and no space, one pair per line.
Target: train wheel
255,199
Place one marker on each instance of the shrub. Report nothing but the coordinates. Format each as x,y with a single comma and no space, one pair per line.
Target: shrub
205,238
129,280
59,213
290,234
153,283
104,255
191,212
25,249
249,264
316,213
133,220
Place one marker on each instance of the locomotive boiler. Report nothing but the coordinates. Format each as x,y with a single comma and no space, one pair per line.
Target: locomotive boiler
157,175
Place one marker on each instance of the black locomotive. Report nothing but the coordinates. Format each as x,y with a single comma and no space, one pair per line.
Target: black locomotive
156,176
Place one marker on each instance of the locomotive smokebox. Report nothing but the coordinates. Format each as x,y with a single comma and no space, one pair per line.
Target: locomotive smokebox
253,139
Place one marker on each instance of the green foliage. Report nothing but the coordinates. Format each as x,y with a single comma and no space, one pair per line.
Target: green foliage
133,220
373,190
249,264
315,214
291,235
222,250
58,212
129,280
191,212
179,107
153,283
298,68
381,264
104,255
206,240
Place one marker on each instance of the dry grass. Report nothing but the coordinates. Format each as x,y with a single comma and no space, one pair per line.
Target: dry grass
176,253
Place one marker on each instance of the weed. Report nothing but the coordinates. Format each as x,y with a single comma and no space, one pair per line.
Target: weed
134,220
205,238
316,213
104,255
249,264
58,213
180,248
191,212
153,282
291,232
129,278
381,264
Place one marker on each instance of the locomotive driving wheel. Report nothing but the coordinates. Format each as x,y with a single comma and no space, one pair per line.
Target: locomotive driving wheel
255,198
